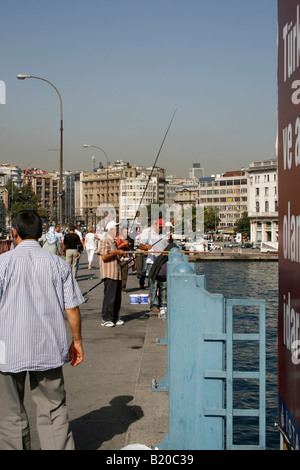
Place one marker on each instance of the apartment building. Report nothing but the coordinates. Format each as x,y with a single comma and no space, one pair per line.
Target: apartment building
100,188
263,201
228,194
46,187
136,192
7,172
120,186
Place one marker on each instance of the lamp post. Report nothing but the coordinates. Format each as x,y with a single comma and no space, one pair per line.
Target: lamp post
22,77
94,146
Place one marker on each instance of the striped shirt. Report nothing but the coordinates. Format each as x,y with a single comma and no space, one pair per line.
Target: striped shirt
35,288
111,268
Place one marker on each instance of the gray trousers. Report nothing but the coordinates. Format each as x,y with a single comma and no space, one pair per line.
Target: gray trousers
72,260
48,393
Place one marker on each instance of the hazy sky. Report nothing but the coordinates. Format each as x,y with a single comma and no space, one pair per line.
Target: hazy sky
123,67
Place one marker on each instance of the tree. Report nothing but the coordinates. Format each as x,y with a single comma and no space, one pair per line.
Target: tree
22,199
211,218
243,224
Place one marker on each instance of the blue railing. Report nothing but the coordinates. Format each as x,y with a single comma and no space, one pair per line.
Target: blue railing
200,376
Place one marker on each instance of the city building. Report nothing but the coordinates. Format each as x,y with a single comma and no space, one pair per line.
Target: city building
228,195
136,192
68,199
187,195
46,187
263,201
160,174
98,189
7,172
173,184
196,172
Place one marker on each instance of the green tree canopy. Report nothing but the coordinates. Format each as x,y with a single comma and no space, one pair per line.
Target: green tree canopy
243,224
22,199
211,218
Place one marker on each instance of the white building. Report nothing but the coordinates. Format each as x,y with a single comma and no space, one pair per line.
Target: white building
263,201
133,193
228,195
8,171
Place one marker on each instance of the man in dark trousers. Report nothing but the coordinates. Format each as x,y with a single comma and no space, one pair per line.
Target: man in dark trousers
36,288
109,259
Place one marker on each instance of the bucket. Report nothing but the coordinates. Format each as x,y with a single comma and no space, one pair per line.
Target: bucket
144,299
134,299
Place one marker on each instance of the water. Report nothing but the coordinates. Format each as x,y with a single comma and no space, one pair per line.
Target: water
250,280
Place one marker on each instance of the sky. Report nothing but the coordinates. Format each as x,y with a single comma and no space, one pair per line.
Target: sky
123,67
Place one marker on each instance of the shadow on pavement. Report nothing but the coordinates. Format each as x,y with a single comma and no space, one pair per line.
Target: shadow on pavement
93,429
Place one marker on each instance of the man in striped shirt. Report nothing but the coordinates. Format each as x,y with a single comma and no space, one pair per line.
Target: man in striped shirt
109,260
36,287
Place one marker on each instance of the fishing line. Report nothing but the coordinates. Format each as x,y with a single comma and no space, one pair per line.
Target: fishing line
137,212
129,259
153,166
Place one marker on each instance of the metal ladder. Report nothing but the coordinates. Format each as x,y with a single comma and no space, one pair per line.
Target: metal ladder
200,377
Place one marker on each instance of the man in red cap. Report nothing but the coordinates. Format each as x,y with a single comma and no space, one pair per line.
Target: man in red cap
154,241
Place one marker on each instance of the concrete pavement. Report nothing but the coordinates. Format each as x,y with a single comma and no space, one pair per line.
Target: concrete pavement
109,396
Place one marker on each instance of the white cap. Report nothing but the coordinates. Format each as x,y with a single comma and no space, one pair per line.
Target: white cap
111,225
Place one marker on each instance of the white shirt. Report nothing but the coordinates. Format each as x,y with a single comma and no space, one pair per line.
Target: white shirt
60,236
90,241
159,241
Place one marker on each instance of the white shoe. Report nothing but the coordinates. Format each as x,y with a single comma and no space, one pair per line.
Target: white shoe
107,323
119,323
162,312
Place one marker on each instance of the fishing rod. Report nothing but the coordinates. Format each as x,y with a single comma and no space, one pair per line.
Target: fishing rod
138,252
92,288
153,166
137,212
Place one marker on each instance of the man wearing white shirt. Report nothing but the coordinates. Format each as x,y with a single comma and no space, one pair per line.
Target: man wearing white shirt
155,239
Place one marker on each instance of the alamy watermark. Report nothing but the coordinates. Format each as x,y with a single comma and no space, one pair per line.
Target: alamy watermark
187,219
2,92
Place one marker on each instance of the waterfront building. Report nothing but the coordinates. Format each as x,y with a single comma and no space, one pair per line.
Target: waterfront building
263,201
228,195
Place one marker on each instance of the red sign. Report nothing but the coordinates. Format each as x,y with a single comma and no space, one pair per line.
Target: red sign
289,219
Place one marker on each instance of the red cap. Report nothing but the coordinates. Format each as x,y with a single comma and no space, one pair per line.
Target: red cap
160,222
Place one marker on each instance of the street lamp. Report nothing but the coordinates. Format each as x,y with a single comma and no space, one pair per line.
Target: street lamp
22,77
94,146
